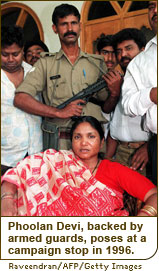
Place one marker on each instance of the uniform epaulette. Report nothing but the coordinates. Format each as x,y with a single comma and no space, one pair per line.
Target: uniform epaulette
44,54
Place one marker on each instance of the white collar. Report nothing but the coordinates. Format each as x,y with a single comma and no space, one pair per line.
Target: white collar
152,41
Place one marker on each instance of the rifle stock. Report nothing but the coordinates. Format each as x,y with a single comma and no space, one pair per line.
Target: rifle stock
86,93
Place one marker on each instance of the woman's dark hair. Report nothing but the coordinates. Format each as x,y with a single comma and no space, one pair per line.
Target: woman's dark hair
129,34
92,121
12,34
64,10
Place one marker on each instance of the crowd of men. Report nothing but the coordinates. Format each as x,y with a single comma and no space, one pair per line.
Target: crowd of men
31,92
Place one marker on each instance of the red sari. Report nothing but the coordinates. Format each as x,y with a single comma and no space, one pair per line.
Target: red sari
58,184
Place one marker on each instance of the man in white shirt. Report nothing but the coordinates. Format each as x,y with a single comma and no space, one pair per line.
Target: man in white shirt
139,91
129,141
21,133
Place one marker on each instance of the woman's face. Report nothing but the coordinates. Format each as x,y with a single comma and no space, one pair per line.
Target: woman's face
86,142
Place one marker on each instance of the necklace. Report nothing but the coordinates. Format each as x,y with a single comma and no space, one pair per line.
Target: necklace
96,166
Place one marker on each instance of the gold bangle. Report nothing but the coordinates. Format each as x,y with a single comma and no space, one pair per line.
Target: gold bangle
6,195
146,212
151,209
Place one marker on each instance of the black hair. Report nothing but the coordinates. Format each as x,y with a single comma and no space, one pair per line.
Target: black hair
104,41
64,10
12,34
92,121
28,44
129,34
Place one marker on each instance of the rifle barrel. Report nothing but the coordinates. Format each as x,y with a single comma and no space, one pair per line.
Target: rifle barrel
87,92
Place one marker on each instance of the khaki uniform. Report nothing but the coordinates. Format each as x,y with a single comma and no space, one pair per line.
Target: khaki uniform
58,79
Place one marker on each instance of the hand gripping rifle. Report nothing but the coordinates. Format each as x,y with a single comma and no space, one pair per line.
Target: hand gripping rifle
86,93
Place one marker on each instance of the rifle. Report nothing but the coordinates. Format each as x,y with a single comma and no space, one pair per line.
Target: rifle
86,93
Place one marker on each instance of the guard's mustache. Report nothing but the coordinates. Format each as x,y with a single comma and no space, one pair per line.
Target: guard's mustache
70,33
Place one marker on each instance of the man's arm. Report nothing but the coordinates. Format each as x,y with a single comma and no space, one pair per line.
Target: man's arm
153,95
111,146
30,105
114,81
136,97
140,158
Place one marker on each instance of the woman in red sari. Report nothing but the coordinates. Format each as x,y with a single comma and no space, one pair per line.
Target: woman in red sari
75,182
